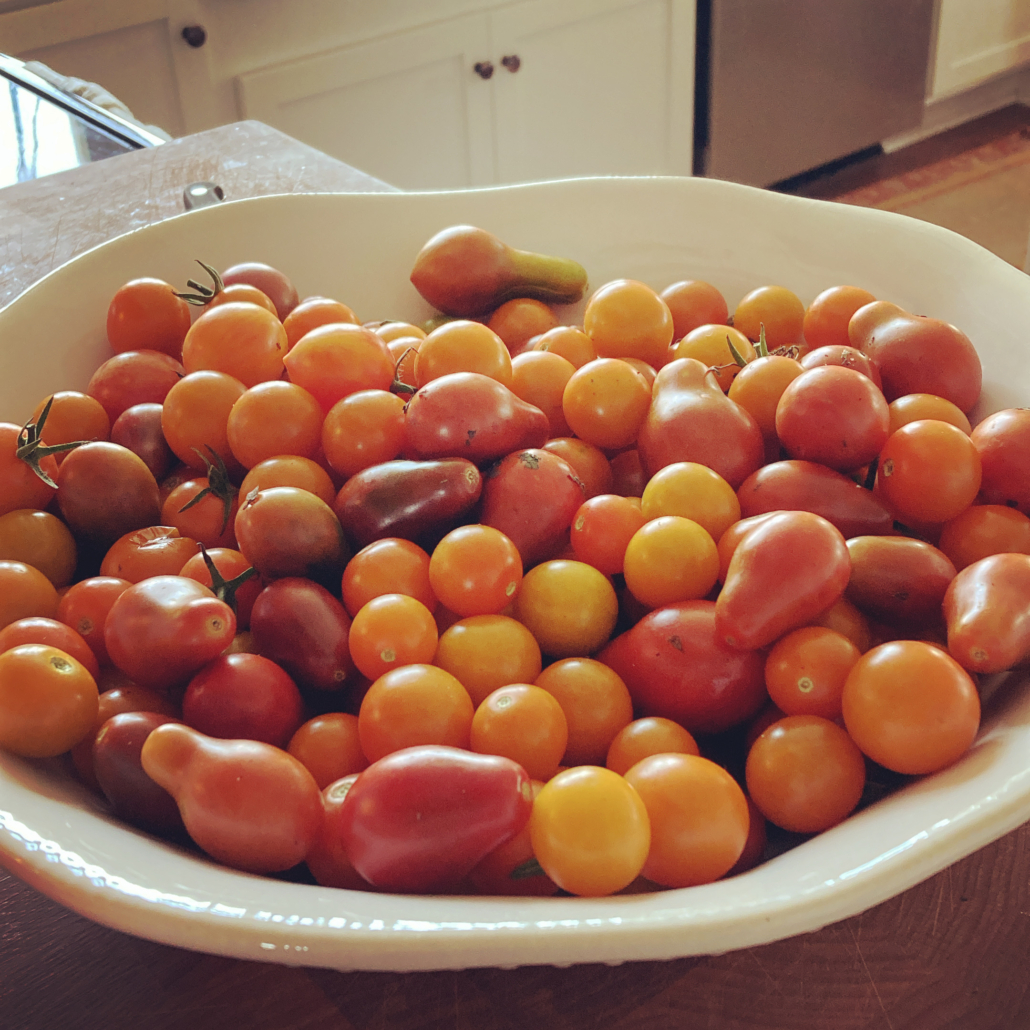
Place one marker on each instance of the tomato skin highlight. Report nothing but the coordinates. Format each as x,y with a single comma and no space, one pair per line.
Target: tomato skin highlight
420,819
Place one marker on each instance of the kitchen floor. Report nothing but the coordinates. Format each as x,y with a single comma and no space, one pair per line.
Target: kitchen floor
973,179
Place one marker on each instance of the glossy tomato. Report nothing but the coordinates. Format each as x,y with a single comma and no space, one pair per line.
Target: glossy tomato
676,666
421,819
162,630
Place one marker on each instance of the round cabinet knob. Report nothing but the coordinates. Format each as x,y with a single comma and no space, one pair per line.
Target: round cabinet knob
195,35
512,62
484,69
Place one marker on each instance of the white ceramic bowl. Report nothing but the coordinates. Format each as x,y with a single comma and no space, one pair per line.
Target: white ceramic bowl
359,249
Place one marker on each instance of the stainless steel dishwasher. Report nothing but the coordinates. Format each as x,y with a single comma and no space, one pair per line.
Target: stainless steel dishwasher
786,86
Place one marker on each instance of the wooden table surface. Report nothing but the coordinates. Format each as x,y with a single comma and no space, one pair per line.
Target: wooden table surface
950,953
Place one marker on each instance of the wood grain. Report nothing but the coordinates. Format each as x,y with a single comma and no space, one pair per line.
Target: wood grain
949,954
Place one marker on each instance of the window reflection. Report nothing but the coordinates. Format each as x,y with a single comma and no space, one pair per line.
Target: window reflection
38,138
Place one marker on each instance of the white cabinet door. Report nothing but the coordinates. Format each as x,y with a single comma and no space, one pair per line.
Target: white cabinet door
977,39
600,87
407,108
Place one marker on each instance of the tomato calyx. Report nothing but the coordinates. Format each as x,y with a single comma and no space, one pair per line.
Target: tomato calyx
225,589
398,385
204,294
32,451
218,485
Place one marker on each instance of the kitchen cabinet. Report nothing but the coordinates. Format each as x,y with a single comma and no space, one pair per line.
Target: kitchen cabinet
437,94
977,40
533,90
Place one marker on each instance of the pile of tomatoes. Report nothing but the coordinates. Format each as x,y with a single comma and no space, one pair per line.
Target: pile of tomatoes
501,605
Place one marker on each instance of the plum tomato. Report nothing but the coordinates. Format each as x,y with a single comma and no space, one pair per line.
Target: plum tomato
304,628
676,666
160,631
422,818
788,570
133,795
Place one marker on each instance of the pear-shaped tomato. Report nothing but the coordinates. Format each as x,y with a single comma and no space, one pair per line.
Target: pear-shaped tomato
785,572
469,415
691,419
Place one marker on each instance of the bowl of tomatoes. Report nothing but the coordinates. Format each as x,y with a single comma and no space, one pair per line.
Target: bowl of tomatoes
586,616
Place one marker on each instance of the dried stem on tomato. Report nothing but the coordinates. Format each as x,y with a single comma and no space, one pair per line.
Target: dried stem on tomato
31,449
218,484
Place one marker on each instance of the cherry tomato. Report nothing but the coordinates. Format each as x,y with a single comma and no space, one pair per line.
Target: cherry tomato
650,735
698,816
832,415
147,313
590,832
774,309
244,696
414,704
462,346
390,631
596,703
475,570
806,669
39,630
48,701
24,593
134,377
524,723
911,707
276,285
84,607
519,320
486,652
139,429
273,418
693,302
312,312
154,551
805,774
387,566
625,318
569,607
602,529
929,472
41,540
329,747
